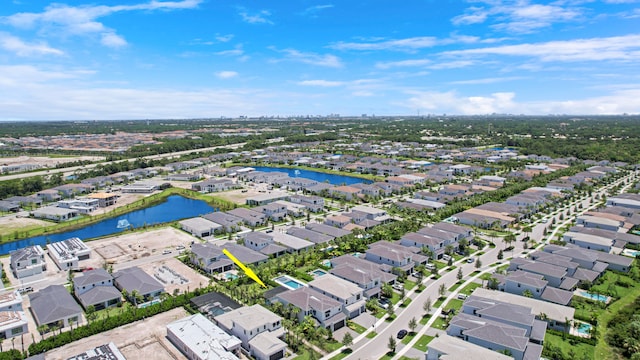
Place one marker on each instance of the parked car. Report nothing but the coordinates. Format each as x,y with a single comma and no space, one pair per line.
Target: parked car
397,286
470,260
402,333
462,296
26,289
166,252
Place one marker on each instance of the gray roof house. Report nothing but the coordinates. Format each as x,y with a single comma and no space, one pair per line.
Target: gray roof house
95,287
309,235
447,347
500,326
327,311
27,261
54,306
259,330
327,229
210,258
135,279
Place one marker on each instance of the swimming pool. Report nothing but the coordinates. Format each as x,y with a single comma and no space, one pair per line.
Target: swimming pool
289,282
326,263
596,297
318,272
230,276
584,329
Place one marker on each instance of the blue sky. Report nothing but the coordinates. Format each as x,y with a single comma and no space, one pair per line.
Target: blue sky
126,59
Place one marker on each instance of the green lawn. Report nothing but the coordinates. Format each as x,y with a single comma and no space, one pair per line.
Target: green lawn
439,264
408,284
305,354
580,350
456,285
467,290
455,304
422,343
438,303
356,327
343,354
425,319
408,338
439,324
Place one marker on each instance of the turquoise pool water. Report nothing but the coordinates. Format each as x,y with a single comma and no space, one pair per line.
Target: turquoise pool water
596,297
318,272
230,276
289,282
584,329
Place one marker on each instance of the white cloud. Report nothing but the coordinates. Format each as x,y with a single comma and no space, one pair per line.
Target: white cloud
621,48
492,80
403,63
112,40
408,44
226,74
224,38
618,102
313,10
326,60
20,48
81,20
519,16
321,83
257,18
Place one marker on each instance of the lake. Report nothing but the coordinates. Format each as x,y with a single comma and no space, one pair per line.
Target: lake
174,208
315,175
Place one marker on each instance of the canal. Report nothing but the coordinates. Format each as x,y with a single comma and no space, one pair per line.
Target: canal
315,175
174,208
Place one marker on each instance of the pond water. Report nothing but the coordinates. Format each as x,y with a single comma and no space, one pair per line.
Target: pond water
315,175
174,208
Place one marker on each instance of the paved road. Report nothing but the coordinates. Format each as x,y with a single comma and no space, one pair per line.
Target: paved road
375,348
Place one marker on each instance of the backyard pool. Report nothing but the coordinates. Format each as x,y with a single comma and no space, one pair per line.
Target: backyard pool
632,253
318,272
584,329
596,297
289,282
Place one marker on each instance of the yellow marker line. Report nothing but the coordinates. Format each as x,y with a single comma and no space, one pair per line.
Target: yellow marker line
242,266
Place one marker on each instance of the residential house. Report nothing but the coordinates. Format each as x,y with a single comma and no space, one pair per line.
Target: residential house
54,306
55,213
214,185
95,288
326,310
259,330
67,254
210,258
347,192
450,347
13,320
350,295
135,281
263,243
250,217
309,235
200,227
229,222
27,261
200,339
395,255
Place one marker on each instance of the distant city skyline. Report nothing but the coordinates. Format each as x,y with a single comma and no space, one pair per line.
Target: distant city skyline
125,59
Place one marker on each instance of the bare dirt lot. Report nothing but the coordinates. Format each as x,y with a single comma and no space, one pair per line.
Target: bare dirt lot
173,274
145,339
139,245
12,222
